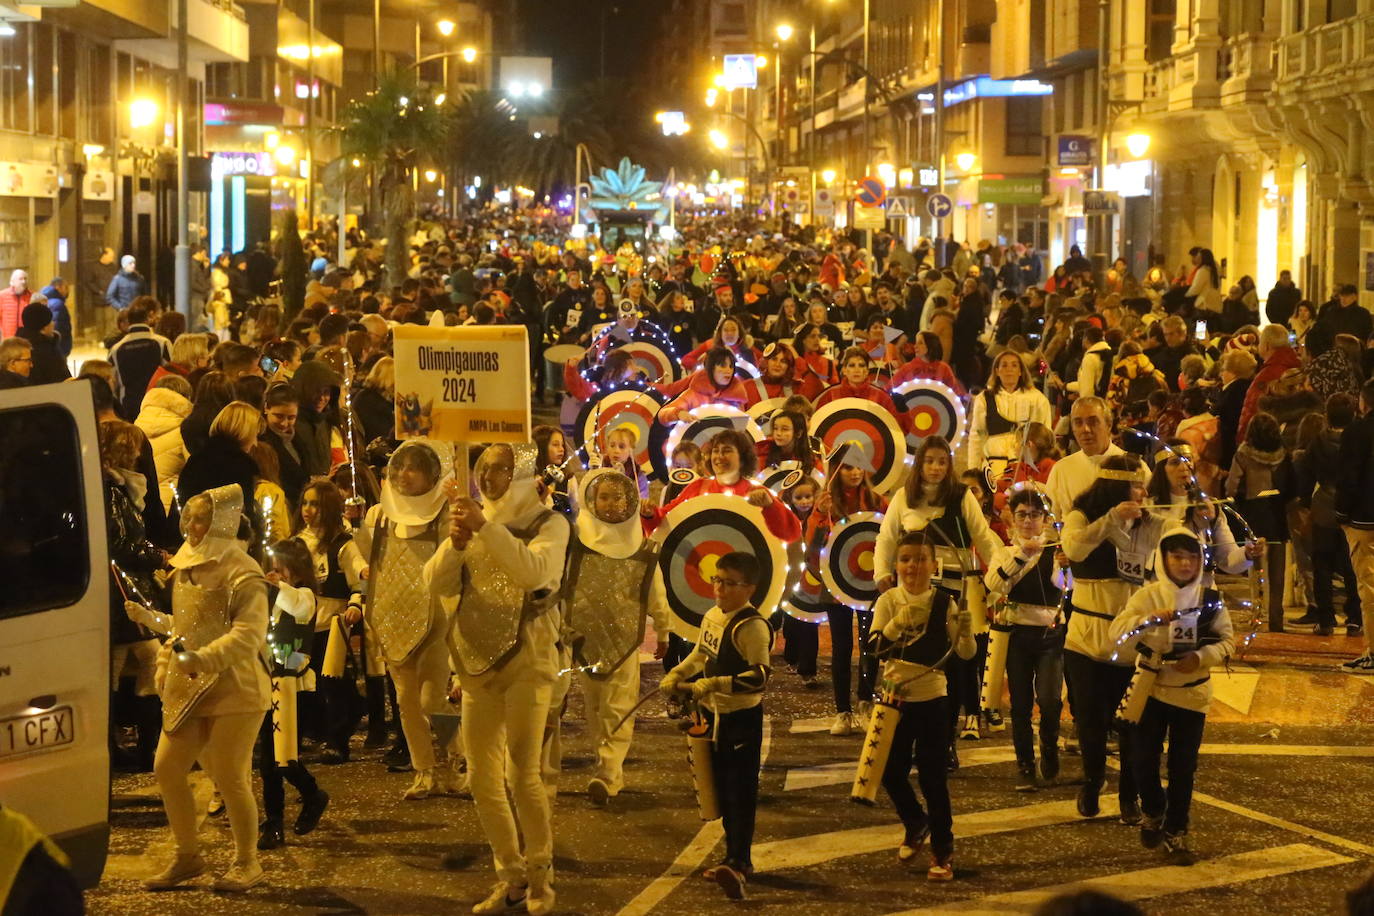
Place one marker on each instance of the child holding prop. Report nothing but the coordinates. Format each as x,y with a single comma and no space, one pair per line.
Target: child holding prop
1180,631
914,627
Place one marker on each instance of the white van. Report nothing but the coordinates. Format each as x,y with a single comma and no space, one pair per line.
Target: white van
55,621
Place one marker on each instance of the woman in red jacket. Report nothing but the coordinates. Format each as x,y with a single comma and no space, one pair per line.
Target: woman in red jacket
815,372
732,463
729,334
714,383
854,383
777,374
928,363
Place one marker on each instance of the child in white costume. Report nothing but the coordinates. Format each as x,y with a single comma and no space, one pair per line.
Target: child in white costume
500,569
213,678
397,537
613,581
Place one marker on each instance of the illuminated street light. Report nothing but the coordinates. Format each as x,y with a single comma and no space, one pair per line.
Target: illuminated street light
719,80
1138,144
828,176
760,61
783,31
441,98
446,27
285,154
430,175
142,113
965,160
711,95
271,140
469,54
718,139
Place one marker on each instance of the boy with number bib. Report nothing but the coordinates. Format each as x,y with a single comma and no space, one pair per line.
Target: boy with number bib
1193,636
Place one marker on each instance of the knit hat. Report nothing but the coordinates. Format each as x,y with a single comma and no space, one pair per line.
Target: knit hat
36,316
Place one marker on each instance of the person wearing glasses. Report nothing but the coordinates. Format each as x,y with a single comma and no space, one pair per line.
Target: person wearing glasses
732,657
16,362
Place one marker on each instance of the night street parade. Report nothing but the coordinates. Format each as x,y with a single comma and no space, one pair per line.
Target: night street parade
815,457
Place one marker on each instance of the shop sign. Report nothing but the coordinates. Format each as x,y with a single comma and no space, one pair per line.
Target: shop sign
97,185
229,164
1099,201
28,179
1018,191
1076,150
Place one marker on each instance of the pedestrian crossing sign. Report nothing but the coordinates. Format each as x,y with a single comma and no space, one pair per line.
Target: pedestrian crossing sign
896,207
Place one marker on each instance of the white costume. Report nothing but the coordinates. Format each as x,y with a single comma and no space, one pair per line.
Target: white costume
396,539
503,590
1017,407
613,580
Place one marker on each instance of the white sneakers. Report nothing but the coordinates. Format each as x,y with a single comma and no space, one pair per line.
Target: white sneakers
599,792
843,724
422,787
539,895
240,878
1362,665
182,869
504,898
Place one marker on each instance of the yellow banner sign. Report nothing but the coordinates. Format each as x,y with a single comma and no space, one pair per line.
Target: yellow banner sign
463,384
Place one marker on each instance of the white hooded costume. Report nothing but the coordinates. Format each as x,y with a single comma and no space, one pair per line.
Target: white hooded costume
502,590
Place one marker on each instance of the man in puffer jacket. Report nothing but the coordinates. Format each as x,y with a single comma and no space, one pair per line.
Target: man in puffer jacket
164,407
317,385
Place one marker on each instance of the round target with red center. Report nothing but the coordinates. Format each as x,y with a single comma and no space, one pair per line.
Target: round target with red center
806,598
848,559
678,480
781,477
633,407
704,422
933,409
702,530
762,412
653,361
874,429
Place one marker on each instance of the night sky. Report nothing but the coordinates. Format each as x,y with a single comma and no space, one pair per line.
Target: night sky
569,31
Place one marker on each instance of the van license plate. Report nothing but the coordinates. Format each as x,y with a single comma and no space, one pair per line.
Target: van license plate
37,731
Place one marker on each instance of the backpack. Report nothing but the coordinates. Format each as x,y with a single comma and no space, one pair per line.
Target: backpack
1141,387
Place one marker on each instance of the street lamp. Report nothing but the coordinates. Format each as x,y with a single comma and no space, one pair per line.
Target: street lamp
446,27
285,154
142,113
783,31
965,160
828,176
430,175
1138,144
718,139
711,95
469,55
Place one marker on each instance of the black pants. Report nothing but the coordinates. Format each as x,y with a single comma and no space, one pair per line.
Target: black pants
273,792
801,644
841,620
965,679
678,649
331,712
1098,688
922,737
1035,677
1331,557
735,760
1184,728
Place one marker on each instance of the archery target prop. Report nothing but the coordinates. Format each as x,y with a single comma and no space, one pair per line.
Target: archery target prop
705,528
934,410
705,422
655,362
873,428
678,480
634,407
848,559
762,413
806,598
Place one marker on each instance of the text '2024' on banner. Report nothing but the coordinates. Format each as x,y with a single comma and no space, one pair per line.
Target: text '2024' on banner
463,384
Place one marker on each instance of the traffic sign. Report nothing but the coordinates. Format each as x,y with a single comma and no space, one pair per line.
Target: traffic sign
872,192
896,207
870,218
939,205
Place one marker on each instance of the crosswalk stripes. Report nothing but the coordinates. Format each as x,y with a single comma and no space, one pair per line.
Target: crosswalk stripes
816,848
1148,883
832,774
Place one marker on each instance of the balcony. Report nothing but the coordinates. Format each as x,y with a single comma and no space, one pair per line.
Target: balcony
218,29
1328,59
1245,69
1184,82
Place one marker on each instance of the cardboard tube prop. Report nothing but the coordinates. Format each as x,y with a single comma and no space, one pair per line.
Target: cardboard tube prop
703,772
882,725
284,739
1142,684
335,650
999,640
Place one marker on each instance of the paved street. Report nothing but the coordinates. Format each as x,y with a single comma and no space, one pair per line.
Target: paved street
1278,823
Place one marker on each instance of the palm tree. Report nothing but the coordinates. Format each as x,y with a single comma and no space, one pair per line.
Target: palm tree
484,140
391,129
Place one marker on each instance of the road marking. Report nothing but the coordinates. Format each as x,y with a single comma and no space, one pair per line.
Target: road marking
832,774
816,848
695,853
1287,750
1236,688
805,726
1148,883
1293,826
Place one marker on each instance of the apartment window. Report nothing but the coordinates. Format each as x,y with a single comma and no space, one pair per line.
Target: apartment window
99,94
1161,30
44,99
1340,9
1025,126
67,84
14,79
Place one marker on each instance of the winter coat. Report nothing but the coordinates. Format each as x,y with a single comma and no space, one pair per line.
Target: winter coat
218,463
136,555
1354,495
377,414
700,391
11,308
815,373
160,419
1289,409
1133,378
48,363
1261,483
1279,362
124,288
1203,433
1333,372
933,369
313,429
61,319
1317,472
